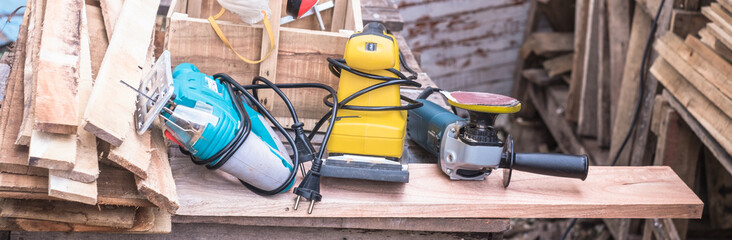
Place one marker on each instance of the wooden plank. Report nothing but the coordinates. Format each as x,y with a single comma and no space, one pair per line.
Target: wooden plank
297,62
678,148
718,181
109,118
58,63
69,212
405,224
676,53
354,21
14,158
546,44
581,27
159,186
647,192
684,22
537,76
629,87
723,40
134,153
71,156
147,221
706,61
110,11
70,190
604,80
551,111
558,65
35,13
559,14
618,23
338,21
97,36
701,132
268,67
709,116
587,121
115,187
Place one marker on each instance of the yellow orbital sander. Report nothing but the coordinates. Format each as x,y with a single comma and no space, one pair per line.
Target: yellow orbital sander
367,139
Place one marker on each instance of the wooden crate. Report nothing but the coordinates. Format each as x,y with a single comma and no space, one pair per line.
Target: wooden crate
301,51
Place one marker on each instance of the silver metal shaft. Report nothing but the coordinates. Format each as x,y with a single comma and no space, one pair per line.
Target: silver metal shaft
297,202
310,209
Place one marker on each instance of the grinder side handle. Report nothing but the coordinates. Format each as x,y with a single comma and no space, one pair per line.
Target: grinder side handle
559,165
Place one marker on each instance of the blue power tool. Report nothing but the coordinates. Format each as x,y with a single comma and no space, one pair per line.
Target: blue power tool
200,115
470,149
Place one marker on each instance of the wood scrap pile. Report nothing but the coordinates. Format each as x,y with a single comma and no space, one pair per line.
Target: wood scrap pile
698,72
66,111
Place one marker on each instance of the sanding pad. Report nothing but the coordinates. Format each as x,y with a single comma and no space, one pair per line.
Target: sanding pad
482,102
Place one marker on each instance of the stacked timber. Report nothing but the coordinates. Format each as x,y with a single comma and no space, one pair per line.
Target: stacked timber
563,74
695,68
65,112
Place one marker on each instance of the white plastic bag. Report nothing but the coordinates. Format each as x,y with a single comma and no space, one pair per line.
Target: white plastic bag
249,11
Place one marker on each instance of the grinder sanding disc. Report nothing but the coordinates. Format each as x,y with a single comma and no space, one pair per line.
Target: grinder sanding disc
483,102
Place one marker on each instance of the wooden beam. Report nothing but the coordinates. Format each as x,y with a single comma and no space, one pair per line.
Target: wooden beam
706,61
79,183
712,118
147,221
69,212
550,110
58,63
581,27
36,14
701,132
354,21
14,158
115,187
604,80
676,53
559,65
677,147
629,87
546,44
159,186
268,67
587,122
97,36
646,192
338,21
110,11
684,22
107,117
618,22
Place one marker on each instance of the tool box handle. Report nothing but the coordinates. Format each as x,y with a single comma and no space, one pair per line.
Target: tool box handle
553,164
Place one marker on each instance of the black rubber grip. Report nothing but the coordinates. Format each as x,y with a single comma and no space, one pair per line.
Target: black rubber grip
559,165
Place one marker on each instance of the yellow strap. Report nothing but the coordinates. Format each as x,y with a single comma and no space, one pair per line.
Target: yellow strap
267,26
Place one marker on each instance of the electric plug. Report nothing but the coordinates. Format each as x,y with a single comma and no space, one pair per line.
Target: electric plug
305,149
309,188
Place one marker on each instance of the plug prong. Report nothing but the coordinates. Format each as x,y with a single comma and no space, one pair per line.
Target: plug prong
310,209
297,202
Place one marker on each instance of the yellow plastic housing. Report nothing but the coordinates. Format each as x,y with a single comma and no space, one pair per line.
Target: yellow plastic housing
372,133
